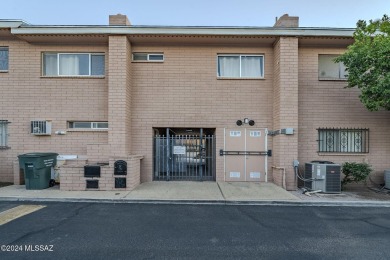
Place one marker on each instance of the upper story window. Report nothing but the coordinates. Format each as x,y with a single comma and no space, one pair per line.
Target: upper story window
343,140
4,134
3,58
88,125
73,64
328,69
241,66
152,57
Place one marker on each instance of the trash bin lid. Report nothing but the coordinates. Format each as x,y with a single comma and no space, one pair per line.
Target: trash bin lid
36,155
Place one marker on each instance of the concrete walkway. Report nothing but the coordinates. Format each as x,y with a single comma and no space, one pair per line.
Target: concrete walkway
161,191
190,192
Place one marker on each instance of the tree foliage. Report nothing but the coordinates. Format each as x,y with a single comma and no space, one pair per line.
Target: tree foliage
367,62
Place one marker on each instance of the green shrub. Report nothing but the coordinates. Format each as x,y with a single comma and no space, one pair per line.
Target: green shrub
355,172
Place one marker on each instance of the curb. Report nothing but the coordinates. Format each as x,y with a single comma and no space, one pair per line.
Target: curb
385,204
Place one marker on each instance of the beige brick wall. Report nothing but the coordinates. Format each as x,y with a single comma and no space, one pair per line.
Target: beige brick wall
119,96
181,92
184,91
329,104
26,96
72,175
285,147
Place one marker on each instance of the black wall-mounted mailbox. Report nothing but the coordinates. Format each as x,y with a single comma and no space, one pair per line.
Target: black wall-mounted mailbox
91,171
92,184
120,168
120,183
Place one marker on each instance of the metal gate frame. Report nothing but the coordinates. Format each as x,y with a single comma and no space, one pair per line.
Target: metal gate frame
184,157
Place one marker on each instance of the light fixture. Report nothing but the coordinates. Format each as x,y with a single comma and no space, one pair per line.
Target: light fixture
246,121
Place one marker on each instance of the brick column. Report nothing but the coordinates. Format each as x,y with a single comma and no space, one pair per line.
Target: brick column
119,95
285,110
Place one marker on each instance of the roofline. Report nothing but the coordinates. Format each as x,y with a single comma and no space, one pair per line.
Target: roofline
182,30
11,23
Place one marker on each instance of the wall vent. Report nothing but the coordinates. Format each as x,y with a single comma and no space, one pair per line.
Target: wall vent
42,127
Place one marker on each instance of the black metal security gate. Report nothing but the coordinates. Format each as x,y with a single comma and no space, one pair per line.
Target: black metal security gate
181,156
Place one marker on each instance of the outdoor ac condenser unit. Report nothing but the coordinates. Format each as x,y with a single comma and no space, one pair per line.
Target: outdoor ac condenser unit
324,176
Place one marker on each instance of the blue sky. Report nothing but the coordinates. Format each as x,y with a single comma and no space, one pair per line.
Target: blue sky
312,13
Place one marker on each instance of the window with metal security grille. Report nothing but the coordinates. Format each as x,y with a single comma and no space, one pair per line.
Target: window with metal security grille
152,57
4,59
41,127
240,66
4,134
73,64
343,140
330,70
88,125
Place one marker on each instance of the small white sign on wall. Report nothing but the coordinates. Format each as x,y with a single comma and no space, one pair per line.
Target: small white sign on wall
255,133
179,150
235,133
235,174
254,175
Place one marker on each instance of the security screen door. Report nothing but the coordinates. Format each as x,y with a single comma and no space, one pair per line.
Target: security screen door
245,154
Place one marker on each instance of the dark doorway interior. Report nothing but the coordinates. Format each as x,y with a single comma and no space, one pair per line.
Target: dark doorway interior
184,154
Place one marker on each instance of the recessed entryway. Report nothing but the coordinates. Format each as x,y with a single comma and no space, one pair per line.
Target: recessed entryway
184,154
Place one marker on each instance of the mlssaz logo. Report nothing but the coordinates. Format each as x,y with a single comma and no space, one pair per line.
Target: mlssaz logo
38,248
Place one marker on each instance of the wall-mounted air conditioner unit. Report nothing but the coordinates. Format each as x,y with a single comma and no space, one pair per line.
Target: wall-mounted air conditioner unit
41,127
324,176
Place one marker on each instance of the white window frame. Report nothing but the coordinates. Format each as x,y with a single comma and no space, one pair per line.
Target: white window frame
341,68
93,125
90,54
148,57
4,134
240,56
2,48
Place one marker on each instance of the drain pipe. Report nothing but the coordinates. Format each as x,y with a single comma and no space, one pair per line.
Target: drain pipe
283,177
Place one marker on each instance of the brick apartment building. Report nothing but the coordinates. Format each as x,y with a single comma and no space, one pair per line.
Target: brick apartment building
181,103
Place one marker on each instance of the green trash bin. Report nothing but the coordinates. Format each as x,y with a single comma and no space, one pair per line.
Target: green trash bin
37,169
